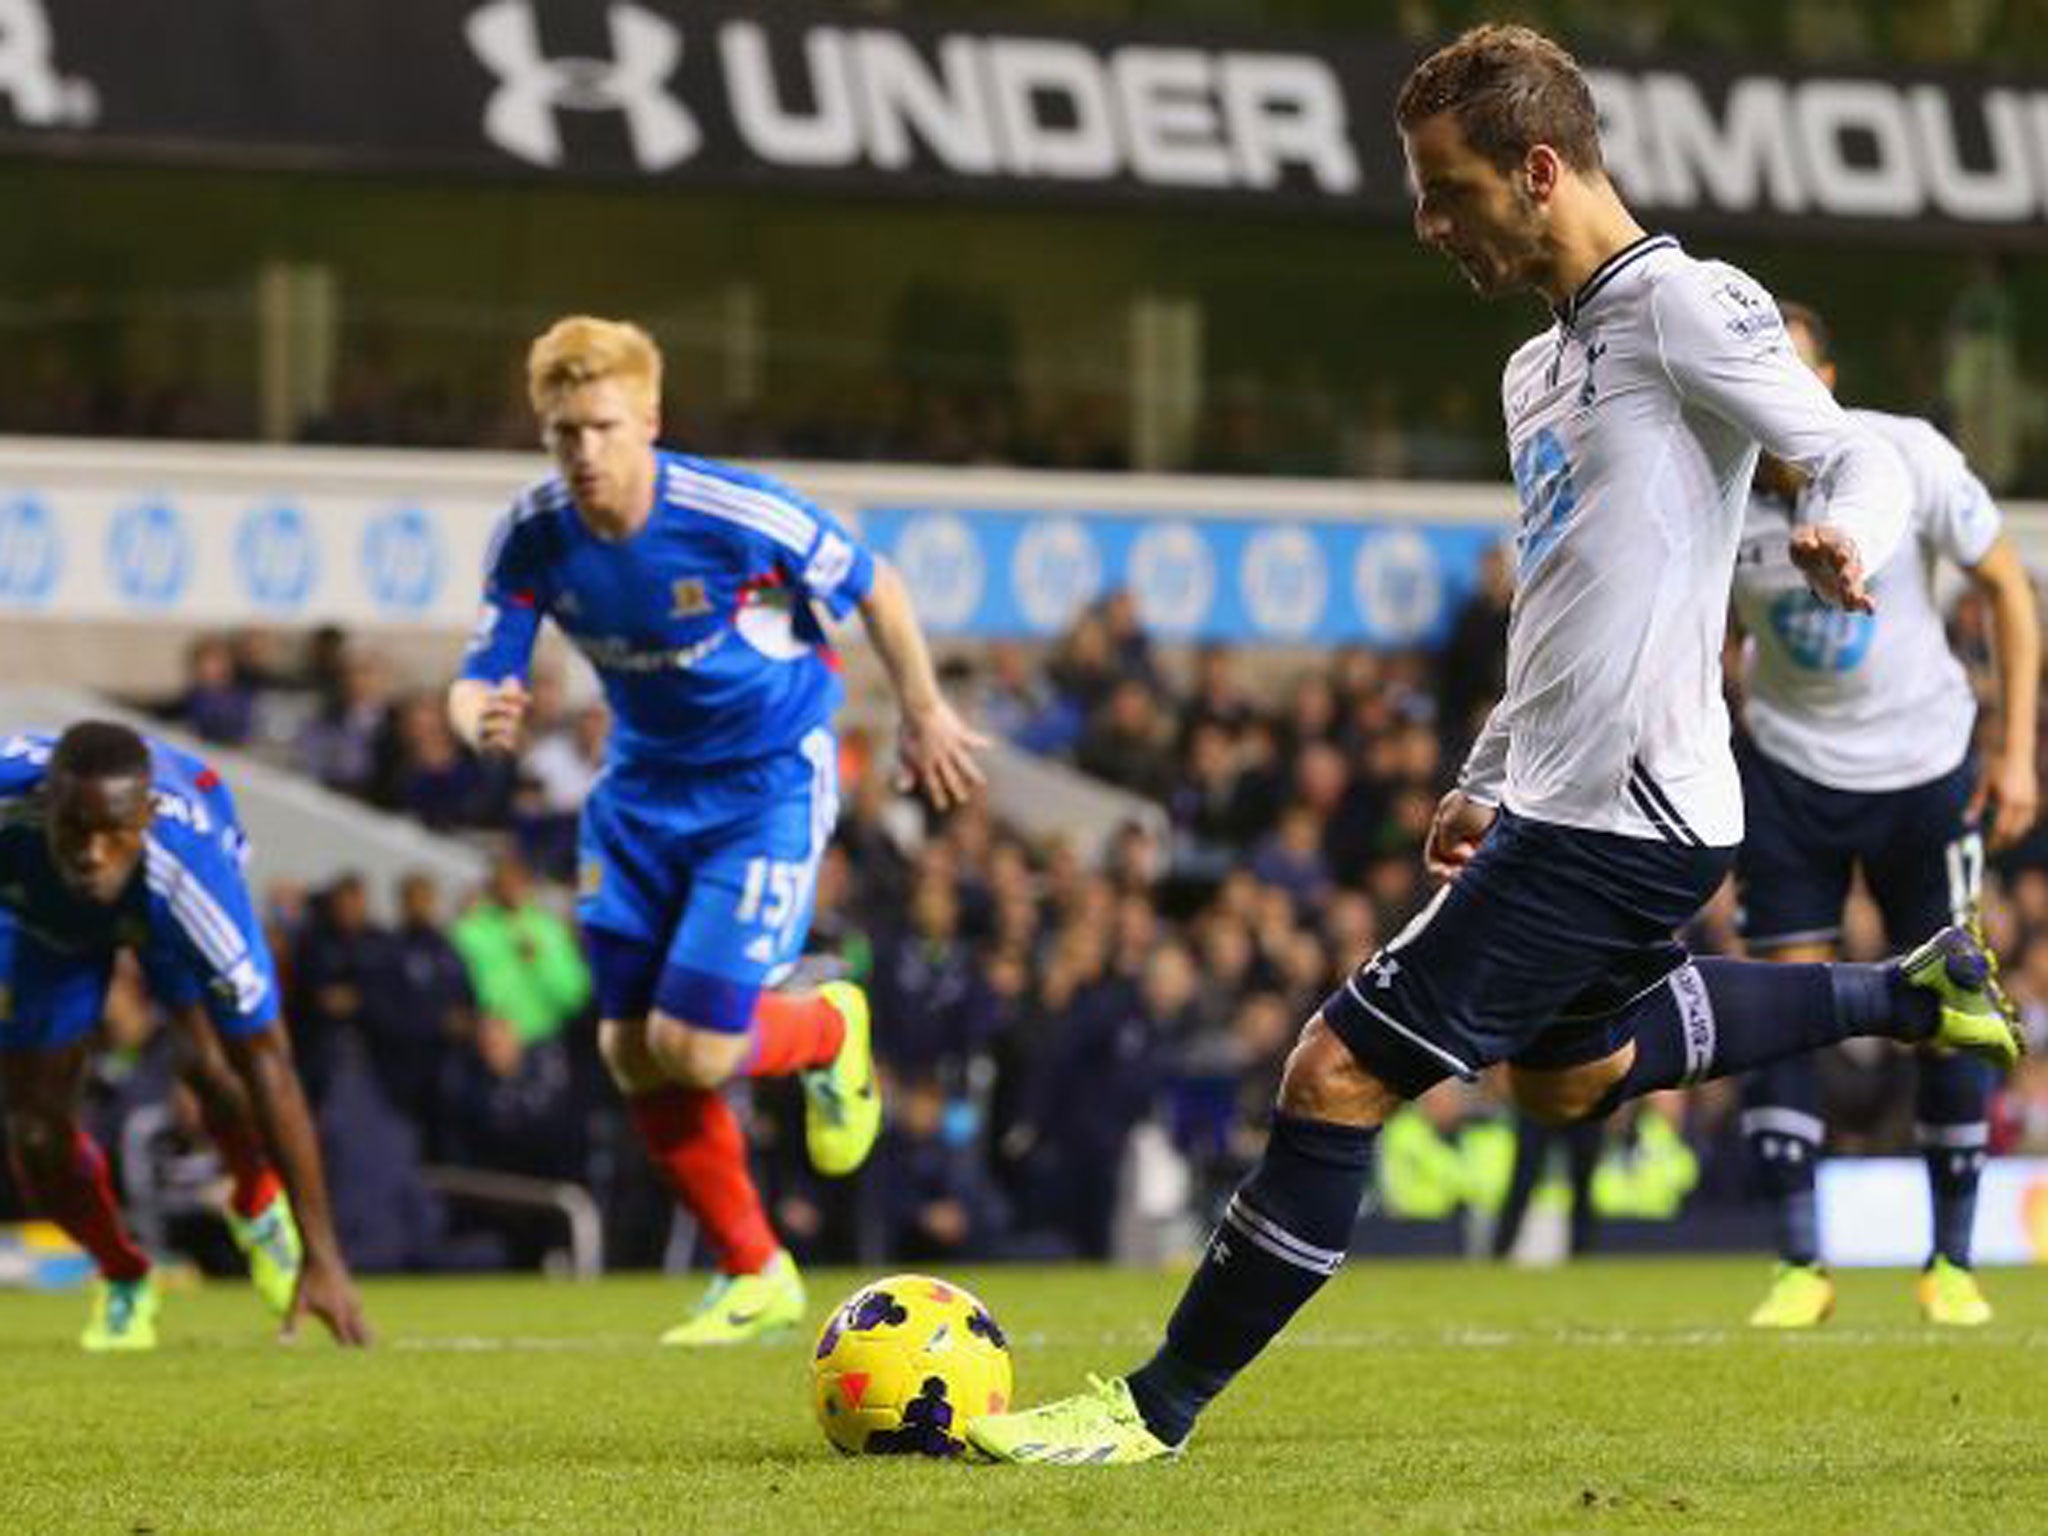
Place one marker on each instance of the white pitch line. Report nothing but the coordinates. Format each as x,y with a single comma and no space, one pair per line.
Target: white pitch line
1316,1339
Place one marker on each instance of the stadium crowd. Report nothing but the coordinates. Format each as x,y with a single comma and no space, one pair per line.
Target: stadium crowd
1073,1049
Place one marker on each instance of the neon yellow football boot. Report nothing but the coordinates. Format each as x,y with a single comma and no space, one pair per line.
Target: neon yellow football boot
1976,1015
1950,1296
739,1309
269,1240
842,1104
1801,1296
1097,1428
123,1315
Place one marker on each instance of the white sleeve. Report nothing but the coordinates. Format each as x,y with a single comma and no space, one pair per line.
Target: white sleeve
1486,765
1958,516
1724,346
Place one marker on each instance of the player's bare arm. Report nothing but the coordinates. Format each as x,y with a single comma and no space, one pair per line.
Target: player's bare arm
936,747
2010,792
326,1289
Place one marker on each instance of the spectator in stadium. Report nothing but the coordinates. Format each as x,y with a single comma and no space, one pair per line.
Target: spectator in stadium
338,746
525,965
430,1004
1473,663
938,1200
216,704
336,964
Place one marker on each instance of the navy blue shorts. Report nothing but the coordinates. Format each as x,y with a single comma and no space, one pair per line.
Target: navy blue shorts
1922,857
1532,955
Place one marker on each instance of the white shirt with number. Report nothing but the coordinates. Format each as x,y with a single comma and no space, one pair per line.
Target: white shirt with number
1633,427
1864,701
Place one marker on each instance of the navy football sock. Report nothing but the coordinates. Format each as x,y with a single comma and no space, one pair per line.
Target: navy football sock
1782,1124
1953,1132
1285,1232
1713,1018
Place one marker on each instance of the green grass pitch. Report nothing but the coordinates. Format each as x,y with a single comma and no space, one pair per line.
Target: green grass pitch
1616,1396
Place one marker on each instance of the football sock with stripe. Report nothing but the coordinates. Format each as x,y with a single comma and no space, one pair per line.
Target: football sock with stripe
696,1144
1953,1132
1714,1018
1782,1124
1284,1233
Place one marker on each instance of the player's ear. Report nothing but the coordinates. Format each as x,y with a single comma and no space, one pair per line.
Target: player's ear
1541,168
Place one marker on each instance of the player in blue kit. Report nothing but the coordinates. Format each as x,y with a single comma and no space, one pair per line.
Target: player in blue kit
692,588
1858,756
1600,807
112,842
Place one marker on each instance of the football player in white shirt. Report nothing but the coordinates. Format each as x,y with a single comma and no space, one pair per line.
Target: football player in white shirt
1601,807
1857,755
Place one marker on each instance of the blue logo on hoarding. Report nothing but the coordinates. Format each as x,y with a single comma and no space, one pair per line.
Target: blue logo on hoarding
150,554
402,560
277,556
941,559
31,553
1399,585
1283,581
1056,571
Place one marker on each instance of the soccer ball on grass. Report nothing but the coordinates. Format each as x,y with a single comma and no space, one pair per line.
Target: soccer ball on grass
903,1364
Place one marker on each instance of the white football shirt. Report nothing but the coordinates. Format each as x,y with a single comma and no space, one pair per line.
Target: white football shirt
1633,426
1852,700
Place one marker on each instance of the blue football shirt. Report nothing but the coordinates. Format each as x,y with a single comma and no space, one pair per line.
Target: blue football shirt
187,915
700,624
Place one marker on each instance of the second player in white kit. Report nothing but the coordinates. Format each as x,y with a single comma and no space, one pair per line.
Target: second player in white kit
1857,757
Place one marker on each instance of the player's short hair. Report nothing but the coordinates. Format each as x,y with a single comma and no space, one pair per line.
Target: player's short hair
100,749
582,349
1510,88
1808,319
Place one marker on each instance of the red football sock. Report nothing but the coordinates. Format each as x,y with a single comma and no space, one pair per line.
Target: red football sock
248,1163
695,1141
793,1032
80,1199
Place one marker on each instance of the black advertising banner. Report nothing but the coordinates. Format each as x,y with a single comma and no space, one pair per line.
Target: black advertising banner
722,96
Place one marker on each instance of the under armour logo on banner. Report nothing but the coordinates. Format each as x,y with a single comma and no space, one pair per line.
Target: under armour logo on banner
532,89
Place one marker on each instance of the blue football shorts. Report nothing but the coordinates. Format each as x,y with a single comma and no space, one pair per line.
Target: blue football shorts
1921,855
1534,955
696,885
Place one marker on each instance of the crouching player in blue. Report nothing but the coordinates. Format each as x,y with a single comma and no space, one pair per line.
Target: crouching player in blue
1858,756
1600,807
690,587
109,841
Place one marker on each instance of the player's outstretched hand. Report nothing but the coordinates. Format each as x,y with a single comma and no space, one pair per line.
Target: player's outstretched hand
1460,826
1828,559
936,755
2009,790
328,1293
503,722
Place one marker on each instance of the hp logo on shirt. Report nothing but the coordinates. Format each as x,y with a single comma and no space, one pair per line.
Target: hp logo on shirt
149,554
402,564
520,116
277,556
1820,638
1543,480
31,552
